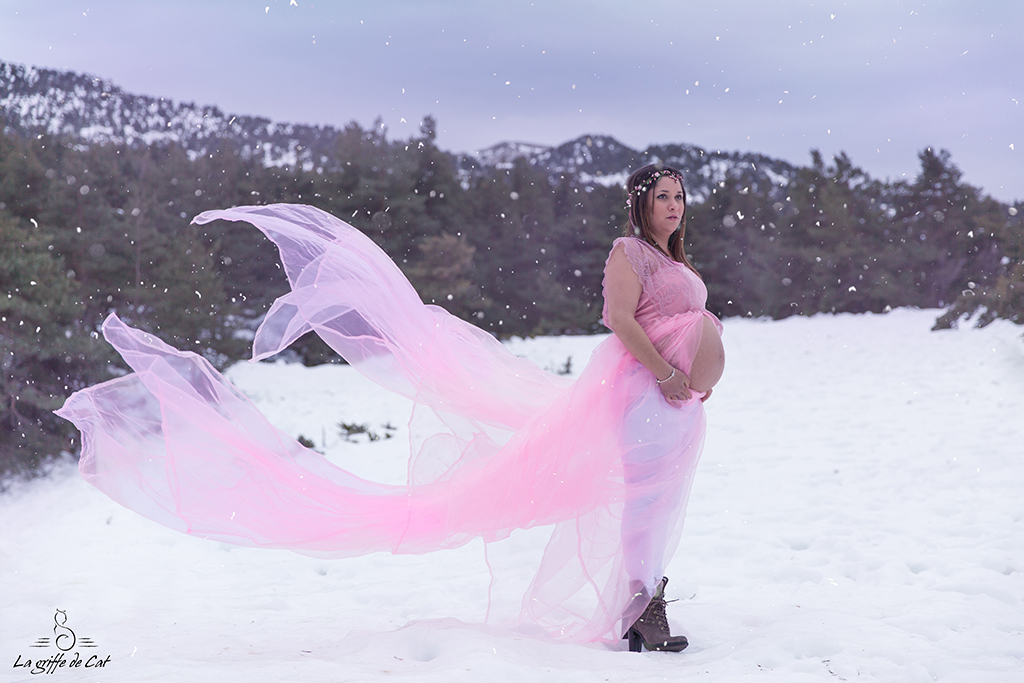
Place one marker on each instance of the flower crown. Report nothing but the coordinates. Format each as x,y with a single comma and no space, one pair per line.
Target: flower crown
650,180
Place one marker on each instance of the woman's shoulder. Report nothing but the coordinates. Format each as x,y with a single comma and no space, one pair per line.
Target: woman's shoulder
637,250
618,251
637,253
631,245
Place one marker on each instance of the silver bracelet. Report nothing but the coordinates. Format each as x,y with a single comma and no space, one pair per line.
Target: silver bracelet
662,381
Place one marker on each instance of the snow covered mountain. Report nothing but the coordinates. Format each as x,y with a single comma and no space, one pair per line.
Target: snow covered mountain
98,111
601,159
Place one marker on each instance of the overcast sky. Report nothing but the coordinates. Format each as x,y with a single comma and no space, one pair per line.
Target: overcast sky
878,79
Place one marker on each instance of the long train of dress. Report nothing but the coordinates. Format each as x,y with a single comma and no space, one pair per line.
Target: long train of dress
603,459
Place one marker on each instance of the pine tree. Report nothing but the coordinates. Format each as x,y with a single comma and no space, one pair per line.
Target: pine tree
1000,296
47,352
947,233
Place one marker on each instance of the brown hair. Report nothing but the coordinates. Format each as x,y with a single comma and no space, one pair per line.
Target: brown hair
638,195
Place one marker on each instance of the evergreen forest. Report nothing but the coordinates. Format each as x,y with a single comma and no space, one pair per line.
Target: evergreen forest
86,230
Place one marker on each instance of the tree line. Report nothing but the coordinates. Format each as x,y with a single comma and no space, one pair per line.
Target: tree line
90,229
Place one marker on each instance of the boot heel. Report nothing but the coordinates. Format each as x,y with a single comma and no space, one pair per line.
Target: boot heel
635,640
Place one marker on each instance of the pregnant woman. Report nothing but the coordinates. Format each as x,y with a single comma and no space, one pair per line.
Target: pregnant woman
606,461
654,303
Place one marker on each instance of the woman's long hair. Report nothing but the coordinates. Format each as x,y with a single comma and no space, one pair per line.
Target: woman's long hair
638,192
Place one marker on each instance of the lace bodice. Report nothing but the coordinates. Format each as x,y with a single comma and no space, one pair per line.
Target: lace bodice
669,287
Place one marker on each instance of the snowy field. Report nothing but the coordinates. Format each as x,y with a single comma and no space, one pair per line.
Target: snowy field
858,515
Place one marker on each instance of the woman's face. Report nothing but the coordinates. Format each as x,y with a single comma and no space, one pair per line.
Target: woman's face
666,205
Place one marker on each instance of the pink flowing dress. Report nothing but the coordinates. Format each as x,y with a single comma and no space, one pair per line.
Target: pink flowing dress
603,460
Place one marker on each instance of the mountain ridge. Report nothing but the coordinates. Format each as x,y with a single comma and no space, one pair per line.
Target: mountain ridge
97,111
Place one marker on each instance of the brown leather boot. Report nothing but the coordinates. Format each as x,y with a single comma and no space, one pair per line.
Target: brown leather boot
651,629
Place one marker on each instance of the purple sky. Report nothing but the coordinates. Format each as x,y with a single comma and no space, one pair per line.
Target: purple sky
878,79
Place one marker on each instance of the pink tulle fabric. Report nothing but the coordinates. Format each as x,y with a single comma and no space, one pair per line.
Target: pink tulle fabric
603,460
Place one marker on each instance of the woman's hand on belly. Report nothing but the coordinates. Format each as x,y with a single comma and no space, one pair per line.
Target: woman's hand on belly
677,389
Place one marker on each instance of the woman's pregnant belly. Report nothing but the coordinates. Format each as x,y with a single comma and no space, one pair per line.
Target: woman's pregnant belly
709,361
691,342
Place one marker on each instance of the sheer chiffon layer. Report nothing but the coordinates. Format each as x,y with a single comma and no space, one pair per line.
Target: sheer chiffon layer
603,459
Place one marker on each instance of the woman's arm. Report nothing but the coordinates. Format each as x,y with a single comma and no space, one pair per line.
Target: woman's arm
623,290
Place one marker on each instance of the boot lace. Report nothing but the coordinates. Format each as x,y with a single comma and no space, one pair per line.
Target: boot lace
657,614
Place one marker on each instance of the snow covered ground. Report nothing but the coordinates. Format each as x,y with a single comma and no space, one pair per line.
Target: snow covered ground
858,515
